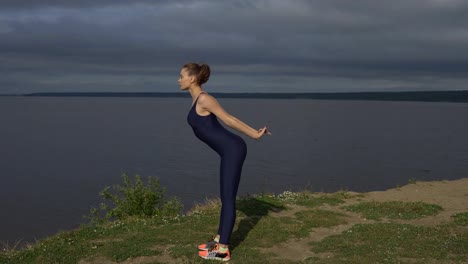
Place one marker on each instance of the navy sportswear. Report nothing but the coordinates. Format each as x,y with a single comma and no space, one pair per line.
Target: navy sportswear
232,150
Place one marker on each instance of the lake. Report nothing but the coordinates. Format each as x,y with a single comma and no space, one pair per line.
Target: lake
58,153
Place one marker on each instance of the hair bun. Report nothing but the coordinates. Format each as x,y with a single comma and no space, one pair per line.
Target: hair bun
204,74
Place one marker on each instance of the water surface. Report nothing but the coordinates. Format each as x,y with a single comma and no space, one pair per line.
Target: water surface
57,153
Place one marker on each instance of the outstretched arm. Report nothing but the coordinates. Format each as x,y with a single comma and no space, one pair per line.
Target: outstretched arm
210,104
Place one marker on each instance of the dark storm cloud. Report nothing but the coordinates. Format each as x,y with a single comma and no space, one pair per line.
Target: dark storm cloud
19,4
270,45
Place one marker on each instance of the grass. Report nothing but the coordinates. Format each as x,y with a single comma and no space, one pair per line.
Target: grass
392,243
309,199
412,180
394,210
263,221
132,237
461,218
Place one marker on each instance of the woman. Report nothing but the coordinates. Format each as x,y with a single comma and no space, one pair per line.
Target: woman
203,118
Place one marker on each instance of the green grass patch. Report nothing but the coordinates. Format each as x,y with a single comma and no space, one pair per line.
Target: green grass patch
392,243
260,225
313,200
136,236
394,209
130,248
461,218
269,231
318,218
259,205
65,247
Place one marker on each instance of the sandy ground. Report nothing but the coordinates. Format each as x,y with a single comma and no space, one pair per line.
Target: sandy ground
452,196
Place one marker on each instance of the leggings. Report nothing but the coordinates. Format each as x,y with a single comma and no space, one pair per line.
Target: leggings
230,173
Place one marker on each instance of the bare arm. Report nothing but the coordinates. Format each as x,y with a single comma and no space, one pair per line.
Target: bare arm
210,104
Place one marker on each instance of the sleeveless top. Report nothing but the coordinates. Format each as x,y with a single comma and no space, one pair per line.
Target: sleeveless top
209,130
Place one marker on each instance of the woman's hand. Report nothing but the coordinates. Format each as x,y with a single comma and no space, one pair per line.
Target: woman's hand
261,132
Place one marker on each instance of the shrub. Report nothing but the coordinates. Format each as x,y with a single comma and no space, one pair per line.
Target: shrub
135,198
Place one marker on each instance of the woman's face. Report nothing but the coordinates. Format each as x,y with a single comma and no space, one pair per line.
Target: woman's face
184,79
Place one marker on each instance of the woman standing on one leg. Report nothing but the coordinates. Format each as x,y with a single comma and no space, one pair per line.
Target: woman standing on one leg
203,118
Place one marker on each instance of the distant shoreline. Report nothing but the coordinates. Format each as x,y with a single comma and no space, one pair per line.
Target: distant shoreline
424,96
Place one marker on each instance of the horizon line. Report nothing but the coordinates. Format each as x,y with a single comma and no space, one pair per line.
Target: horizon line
231,93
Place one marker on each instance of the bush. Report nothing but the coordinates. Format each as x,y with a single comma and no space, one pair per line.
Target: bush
134,198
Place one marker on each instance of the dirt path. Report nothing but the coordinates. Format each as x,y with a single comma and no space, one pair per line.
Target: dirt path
452,196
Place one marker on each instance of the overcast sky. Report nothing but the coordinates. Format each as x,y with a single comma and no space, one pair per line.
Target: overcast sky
251,46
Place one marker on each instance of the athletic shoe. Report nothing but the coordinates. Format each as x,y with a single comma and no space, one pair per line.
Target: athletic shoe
208,246
215,254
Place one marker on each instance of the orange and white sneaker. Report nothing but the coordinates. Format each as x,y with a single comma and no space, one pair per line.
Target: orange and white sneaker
208,245
215,254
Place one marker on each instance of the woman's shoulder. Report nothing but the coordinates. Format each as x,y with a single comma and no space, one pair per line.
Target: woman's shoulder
207,99
204,96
